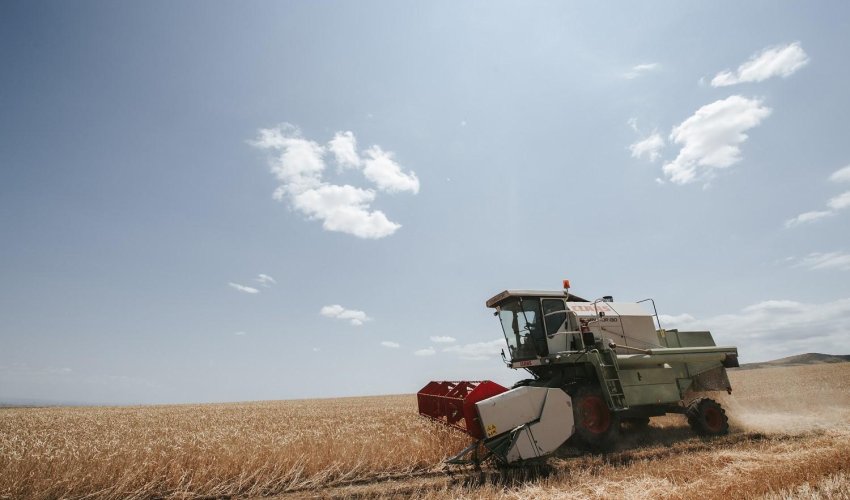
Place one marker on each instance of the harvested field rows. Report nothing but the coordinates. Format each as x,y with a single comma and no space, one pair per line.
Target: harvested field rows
747,465
791,437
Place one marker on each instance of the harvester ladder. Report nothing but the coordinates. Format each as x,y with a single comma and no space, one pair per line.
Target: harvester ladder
609,376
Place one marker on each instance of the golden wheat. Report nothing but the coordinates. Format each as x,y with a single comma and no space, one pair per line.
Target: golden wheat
791,436
220,449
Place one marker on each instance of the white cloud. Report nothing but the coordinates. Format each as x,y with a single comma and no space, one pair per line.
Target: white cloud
649,147
299,166
640,69
712,136
345,209
835,204
243,288
428,351
675,320
839,202
380,168
633,123
477,351
776,328
344,148
240,334
829,260
316,349
443,339
392,345
806,217
354,316
780,60
265,280
274,138
841,175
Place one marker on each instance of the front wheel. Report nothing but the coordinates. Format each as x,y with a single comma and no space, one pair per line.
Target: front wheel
707,418
597,427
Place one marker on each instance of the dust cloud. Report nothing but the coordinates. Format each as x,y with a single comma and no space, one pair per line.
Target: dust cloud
795,399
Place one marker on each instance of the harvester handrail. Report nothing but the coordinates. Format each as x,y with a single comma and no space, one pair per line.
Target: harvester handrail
654,310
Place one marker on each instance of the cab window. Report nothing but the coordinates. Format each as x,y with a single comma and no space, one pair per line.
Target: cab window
523,328
554,315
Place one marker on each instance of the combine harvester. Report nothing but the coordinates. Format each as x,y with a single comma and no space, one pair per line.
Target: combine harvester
595,365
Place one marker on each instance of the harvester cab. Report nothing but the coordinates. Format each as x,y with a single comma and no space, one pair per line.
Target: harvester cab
594,364
535,324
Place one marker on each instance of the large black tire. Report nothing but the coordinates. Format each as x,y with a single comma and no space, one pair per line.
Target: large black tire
707,418
597,427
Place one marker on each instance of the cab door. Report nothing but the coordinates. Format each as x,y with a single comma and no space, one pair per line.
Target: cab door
555,321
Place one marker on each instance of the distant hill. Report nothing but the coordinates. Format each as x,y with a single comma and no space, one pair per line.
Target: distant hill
811,358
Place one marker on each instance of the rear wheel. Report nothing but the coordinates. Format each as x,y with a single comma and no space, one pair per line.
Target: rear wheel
707,418
597,427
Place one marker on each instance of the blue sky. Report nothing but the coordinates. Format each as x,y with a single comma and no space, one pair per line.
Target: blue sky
225,201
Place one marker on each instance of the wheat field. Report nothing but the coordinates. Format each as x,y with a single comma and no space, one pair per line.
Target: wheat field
212,450
790,439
